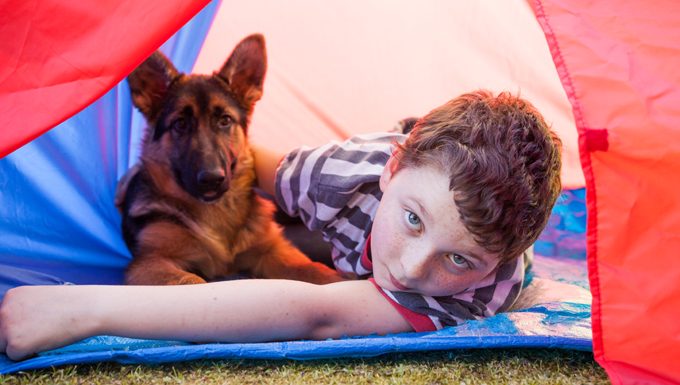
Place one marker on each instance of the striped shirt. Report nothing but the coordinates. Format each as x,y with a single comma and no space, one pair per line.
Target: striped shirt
335,189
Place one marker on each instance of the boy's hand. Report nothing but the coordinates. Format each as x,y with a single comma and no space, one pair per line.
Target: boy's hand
37,318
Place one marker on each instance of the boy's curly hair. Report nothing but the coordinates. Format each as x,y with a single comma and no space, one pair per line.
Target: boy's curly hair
503,164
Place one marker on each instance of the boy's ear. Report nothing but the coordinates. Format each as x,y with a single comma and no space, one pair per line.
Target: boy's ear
245,69
149,83
388,172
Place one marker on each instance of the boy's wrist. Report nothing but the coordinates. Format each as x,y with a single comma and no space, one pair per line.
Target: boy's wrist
91,313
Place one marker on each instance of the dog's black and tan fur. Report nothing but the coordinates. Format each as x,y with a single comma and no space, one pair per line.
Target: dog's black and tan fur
189,210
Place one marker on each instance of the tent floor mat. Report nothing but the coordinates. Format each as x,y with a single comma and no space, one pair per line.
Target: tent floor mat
551,323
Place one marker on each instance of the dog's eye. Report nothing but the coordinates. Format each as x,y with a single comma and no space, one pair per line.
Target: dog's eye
180,125
225,121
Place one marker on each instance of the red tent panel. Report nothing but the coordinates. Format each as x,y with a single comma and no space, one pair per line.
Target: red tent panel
619,65
57,56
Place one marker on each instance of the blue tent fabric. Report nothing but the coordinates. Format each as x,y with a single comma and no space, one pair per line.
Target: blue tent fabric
57,218
58,225
561,325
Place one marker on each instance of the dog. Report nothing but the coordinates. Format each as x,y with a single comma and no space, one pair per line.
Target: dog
189,210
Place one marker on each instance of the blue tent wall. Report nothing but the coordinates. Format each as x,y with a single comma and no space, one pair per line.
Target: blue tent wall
57,217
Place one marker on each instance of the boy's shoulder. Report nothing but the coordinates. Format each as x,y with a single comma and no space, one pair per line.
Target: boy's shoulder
376,141
358,160
341,161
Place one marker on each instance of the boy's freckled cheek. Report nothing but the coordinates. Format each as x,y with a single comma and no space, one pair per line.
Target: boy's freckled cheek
392,238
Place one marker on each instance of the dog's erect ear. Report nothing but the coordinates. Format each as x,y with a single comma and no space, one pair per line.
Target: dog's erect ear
245,69
149,82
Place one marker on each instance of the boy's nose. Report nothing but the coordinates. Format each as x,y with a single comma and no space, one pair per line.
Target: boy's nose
415,266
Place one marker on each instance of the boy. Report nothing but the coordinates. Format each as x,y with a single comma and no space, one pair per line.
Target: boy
439,219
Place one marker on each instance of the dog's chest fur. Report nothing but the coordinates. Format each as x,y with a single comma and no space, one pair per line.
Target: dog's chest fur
227,230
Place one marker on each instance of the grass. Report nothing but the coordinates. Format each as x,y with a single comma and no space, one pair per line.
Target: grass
469,367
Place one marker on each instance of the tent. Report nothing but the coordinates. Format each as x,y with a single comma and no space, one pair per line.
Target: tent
604,73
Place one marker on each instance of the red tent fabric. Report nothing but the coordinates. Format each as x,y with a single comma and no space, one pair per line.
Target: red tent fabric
56,57
619,65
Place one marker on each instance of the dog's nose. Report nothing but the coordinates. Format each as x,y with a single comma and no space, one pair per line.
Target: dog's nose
210,180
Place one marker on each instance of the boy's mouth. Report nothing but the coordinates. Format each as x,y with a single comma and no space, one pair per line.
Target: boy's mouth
397,284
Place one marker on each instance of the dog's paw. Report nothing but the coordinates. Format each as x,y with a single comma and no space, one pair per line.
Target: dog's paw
189,279
319,274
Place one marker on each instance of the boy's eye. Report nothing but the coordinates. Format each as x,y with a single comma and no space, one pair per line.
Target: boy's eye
412,220
459,261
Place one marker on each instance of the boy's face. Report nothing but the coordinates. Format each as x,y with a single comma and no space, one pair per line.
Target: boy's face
418,242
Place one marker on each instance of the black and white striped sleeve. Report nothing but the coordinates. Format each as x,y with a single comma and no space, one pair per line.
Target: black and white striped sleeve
297,184
320,184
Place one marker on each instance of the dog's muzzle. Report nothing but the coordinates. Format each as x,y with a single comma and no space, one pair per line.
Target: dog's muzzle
212,184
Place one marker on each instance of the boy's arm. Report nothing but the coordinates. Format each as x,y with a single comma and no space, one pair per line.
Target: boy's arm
266,162
38,318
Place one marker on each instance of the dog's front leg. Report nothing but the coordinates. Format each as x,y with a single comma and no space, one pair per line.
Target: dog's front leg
278,258
158,271
163,253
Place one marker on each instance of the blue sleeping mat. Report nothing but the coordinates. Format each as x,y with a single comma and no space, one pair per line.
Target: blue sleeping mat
556,324
58,224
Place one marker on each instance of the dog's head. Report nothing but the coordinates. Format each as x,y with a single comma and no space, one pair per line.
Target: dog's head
197,124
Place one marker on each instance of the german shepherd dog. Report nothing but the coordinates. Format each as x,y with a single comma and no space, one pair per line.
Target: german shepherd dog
189,210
